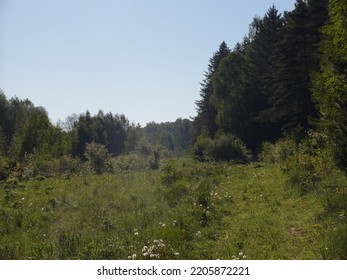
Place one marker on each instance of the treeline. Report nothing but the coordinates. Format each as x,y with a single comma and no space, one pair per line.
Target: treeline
26,131
287,76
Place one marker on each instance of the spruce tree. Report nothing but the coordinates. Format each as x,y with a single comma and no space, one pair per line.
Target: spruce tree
206,112
291,104
261,61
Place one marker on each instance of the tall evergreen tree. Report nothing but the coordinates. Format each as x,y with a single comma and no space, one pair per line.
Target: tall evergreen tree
206,112
291,103
261,60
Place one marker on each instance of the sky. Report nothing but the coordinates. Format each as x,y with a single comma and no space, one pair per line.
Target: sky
144,59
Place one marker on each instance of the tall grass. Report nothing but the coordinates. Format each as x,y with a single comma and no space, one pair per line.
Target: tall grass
184,210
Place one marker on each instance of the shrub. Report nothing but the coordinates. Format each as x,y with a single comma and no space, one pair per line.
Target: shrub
154,161
68,165
171,173
279,152
97,157
224,147
228,147
306,163
203,147
5,167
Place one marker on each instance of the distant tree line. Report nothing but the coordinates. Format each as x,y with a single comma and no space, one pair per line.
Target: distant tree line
286,76
26,129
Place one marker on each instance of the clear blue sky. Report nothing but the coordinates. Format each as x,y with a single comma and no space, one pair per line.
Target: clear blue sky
144,59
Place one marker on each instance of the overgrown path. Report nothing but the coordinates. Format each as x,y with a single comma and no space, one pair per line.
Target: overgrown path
185,210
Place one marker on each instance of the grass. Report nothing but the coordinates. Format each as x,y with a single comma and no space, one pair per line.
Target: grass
185,210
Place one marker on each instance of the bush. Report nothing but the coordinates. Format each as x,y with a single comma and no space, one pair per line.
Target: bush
171,173
203,147
279,152
224,147
5,167
97,157
306,163
154,162
228,147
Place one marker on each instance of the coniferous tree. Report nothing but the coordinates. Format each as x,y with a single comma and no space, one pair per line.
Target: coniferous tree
260,57
206,112
291,104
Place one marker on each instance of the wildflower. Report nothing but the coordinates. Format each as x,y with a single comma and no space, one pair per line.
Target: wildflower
132,257
144,249
241,254
176,254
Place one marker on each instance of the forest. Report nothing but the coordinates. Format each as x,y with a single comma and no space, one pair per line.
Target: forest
258,173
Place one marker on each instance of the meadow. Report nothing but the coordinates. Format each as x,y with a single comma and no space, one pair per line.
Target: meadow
183,210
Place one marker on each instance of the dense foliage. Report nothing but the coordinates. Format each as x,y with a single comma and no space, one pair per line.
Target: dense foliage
263,88
26,134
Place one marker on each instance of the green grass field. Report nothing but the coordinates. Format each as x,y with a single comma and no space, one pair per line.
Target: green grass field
185,210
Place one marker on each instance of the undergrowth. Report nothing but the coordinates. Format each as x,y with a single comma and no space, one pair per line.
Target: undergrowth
184,210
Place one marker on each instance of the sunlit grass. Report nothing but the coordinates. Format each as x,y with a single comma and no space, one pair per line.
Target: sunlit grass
187,211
